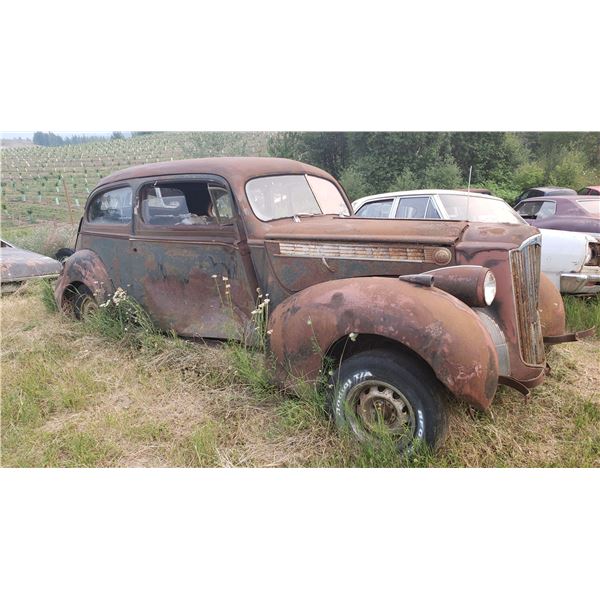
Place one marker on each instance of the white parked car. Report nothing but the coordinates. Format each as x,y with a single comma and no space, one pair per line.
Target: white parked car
571,260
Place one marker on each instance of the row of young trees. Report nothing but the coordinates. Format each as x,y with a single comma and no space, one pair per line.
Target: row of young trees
506,163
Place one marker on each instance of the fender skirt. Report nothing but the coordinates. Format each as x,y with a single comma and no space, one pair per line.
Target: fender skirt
443,331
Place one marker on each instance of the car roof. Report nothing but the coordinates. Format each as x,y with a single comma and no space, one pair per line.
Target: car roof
229,167
555,189
359,203
569,198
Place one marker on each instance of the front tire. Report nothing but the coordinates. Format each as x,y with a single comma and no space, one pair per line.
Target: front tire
382,394
84,302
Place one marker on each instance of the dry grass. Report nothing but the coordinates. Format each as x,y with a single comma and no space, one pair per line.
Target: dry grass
71,397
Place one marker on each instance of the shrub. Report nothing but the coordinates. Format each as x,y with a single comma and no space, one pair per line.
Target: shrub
445,175
529,175
570,171
354,183
407,180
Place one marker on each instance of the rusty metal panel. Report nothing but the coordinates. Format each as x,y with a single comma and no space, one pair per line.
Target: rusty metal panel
447,334
18,265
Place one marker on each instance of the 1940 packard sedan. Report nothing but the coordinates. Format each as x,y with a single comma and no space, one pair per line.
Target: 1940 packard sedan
405,316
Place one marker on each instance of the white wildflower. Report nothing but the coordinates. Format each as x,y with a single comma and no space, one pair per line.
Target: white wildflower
309,322
214,276
353,336
225,278
269,331
267,300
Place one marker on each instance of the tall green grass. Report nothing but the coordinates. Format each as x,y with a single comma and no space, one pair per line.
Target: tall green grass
582,313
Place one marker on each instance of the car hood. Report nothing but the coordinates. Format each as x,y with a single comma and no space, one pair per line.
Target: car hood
17,264
357,229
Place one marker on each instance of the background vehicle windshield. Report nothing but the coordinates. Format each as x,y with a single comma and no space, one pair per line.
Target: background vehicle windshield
592,206
482,210
288,195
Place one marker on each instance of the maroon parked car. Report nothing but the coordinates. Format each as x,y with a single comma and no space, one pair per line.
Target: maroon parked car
590,190
569,213
536,192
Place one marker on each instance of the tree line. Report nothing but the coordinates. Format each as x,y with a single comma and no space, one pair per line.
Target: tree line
47,138
504,162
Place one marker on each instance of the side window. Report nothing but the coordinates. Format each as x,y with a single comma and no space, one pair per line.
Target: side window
529,210
222,202
112,207
376,210
185,203
413,207
547,210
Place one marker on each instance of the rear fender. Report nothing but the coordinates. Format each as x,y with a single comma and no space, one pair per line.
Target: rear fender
86,267
443,331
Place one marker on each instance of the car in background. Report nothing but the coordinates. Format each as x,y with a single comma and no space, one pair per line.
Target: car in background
567,213
570,260
536,192
590,190
18,266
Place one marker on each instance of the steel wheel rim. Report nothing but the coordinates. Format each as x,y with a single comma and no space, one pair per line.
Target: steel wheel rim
374,407
87,305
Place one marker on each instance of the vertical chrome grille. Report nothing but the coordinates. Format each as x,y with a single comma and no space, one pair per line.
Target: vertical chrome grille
525,266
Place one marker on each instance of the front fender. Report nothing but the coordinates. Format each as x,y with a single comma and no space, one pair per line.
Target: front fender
551,309
443,331
84,266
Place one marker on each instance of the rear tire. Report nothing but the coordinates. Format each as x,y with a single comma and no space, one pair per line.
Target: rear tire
381,393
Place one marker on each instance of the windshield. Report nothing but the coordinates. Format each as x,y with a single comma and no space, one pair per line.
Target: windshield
592,206
483,210
289,195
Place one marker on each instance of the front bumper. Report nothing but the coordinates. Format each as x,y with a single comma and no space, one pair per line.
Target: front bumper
587,281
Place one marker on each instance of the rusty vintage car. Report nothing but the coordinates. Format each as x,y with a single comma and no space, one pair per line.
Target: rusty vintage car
397,318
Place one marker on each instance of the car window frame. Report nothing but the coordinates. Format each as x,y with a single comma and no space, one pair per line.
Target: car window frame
337,186
90,225
393,200
141,229
431,198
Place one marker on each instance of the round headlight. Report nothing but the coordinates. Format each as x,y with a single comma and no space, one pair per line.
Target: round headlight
489,288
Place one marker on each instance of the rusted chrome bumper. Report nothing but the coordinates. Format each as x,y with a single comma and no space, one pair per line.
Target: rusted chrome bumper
584,282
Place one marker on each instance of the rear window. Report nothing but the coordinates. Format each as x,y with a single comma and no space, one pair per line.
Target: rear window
112,207
537,209
592,206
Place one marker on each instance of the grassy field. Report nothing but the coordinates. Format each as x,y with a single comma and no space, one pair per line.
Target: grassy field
51,184
82,395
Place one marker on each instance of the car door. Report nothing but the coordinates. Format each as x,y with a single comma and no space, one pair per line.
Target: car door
190,260
106,228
